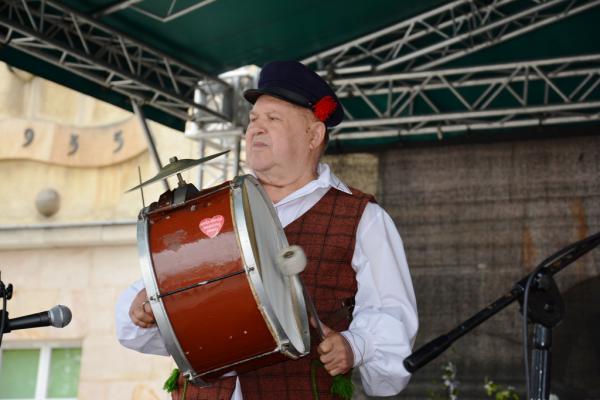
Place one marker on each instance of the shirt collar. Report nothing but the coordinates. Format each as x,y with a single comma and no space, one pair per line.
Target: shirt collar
325,180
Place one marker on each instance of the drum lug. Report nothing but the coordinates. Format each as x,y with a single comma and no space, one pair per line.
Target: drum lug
237,182
143,214
285,350
195,379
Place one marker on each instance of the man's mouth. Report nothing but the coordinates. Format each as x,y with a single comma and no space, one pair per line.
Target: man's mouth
259,144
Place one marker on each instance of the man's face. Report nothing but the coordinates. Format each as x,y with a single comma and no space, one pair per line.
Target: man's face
277,139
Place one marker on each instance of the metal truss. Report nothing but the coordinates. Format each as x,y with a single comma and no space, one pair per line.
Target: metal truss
222,168
79,44
216,137
174,11
554,91
443,34
213,141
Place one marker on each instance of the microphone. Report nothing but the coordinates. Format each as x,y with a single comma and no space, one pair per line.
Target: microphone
58,317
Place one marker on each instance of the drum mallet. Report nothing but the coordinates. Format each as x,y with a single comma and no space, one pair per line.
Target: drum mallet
291,262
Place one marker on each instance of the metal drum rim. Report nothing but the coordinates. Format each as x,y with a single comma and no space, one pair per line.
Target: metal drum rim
158,308
283,341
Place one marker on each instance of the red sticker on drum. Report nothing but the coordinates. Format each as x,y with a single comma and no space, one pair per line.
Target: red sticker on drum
212,226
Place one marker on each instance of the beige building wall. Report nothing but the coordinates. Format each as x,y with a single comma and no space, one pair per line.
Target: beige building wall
84,268
87,193
84,255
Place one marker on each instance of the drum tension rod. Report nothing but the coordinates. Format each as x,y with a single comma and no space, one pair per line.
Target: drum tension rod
172,292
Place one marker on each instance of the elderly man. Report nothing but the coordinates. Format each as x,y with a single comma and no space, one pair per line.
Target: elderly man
352,246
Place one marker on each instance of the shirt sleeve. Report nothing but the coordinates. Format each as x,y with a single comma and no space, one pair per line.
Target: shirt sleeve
385,321
144,340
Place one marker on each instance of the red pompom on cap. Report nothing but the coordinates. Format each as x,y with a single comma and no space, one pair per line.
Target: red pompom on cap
324,108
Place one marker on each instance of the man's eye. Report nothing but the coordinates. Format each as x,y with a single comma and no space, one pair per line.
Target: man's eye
272,118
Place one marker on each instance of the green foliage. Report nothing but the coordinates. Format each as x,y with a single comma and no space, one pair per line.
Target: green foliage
171,383
342,386
450,383
436,395
497,392
450,392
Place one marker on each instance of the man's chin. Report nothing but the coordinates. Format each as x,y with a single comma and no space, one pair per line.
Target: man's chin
259,167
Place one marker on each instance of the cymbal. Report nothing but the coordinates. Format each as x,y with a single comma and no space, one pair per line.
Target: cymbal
176,166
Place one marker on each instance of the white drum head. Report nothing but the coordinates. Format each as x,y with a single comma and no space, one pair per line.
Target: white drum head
283,294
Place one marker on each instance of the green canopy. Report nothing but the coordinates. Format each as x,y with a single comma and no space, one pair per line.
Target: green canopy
222,35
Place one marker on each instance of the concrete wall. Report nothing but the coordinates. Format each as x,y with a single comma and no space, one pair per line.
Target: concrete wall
476,218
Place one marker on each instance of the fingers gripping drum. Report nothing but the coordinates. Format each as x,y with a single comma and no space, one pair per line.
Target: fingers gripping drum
291,260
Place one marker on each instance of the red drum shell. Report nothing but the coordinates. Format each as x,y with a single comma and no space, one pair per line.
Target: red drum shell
219,326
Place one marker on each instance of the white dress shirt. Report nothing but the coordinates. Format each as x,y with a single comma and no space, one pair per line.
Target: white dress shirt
384,323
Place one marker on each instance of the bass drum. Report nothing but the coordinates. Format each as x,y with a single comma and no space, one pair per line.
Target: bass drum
209,264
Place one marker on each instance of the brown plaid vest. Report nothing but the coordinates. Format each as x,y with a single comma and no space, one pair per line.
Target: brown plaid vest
327,233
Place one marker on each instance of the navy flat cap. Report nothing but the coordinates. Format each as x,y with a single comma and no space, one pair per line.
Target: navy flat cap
293,82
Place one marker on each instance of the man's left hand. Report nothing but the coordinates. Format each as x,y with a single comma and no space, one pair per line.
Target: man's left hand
335,352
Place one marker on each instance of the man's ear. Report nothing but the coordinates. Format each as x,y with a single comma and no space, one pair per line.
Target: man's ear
316,131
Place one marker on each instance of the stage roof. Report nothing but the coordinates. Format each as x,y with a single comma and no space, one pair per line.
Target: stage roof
222,35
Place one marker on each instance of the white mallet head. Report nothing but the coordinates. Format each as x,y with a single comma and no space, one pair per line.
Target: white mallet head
291,260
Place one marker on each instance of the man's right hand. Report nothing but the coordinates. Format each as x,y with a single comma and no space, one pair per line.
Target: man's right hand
140,311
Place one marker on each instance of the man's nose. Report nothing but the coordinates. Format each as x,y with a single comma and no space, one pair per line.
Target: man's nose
255,128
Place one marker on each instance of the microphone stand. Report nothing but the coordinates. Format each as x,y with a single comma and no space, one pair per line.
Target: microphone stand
5,294
545,307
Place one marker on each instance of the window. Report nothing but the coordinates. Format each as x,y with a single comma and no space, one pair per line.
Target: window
39,371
